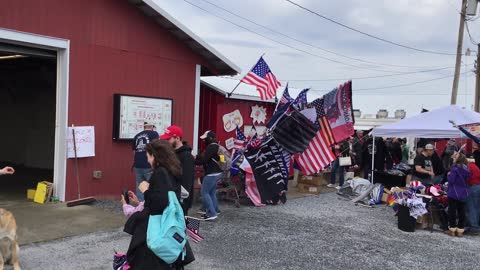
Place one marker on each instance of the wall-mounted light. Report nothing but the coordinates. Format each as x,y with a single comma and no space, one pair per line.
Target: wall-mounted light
12,56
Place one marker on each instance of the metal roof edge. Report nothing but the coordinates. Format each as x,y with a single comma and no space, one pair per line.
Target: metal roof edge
235,96
194,37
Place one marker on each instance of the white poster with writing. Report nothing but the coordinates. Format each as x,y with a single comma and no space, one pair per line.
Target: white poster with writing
229,143
84,140
134,111
232,120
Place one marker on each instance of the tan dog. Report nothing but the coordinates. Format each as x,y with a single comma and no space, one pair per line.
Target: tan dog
8,240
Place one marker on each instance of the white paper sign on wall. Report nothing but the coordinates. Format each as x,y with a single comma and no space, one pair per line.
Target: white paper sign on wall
84,140
232,120
229,143
259,114
248,131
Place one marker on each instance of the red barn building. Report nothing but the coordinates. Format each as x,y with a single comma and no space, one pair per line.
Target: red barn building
61,62
215,105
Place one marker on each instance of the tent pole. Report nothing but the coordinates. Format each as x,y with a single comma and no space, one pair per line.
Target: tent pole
373,159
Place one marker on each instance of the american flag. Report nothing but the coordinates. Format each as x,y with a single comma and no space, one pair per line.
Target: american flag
193,227
318,153
300,101
286,98
255,142
325,128
262,77
240,139
317,156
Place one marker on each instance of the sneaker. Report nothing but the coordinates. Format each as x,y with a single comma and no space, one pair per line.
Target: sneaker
330,185
202,212
219,212
205,217
338,187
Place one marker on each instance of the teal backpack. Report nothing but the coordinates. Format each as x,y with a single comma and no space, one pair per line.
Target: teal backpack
166,235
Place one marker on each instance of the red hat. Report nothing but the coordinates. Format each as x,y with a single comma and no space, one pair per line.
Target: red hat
172,131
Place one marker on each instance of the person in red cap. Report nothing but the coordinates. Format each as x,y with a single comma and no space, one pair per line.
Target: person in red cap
174,135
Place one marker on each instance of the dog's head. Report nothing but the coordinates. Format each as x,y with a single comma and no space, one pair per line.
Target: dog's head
5,217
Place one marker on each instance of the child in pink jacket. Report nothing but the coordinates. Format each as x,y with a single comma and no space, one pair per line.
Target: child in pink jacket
128,209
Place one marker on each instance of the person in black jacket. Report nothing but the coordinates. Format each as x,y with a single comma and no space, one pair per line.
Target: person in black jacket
173,135
213,174
166,167
380,155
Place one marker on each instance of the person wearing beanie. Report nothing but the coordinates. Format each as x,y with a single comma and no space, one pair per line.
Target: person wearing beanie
457,194
213,174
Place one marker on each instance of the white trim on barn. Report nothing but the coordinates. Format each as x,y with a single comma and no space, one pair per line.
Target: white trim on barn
62,47
196,121
236,96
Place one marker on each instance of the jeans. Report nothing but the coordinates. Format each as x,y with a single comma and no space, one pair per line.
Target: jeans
141,174
366,171
456,209
209,194
333,175
473,208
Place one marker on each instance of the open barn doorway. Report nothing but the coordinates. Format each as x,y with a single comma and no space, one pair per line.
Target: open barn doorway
27,115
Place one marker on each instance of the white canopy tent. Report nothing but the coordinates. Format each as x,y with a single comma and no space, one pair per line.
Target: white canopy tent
434,124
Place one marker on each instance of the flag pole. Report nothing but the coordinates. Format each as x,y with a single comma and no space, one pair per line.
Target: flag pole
235,88
276,107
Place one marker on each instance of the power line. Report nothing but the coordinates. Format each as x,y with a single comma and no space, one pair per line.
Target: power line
374,77
454,7
287,45
303,42
401,85
414,94
356,78
472,40
366,34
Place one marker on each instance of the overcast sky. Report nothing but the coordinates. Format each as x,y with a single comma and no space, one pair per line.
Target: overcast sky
425,24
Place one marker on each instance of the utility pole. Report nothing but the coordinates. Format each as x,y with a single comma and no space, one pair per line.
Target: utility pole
459,53
477,81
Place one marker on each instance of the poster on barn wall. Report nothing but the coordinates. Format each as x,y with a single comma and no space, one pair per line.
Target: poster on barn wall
259,114
130,113
232,120
247,130
229,143
84,142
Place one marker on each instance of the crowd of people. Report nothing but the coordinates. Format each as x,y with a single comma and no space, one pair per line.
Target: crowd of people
164,163
388,152
450,171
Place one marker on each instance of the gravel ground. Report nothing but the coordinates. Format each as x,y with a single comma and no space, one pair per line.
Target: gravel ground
309,233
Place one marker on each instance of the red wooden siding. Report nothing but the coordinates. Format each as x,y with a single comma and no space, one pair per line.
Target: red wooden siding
213,106
115,48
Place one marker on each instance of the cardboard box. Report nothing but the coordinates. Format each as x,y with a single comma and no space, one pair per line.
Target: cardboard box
31,194
43,192
318,180
308,189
